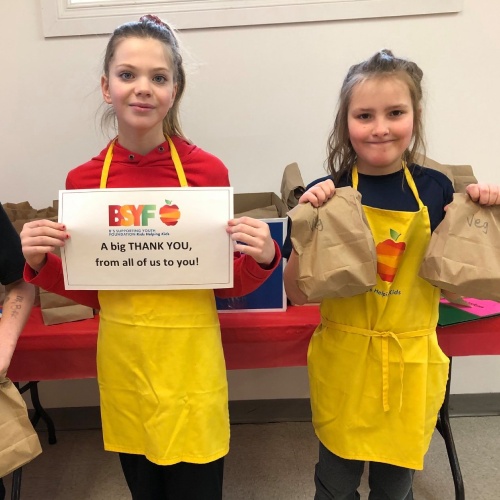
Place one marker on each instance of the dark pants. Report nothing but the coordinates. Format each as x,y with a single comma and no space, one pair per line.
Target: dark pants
182,481
2,490
338,479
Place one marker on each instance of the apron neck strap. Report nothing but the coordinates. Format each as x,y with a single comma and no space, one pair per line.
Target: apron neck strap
107,164
175,158
409,180
177,163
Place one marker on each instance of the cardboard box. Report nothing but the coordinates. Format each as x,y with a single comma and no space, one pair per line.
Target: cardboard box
259,205
270,296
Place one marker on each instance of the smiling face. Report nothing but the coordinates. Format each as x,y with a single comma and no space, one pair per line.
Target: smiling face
380,122
140,87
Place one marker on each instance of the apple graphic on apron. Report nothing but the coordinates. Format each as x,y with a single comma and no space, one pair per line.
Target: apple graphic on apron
389,254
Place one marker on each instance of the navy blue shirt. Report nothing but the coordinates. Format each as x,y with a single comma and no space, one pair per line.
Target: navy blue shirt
391,192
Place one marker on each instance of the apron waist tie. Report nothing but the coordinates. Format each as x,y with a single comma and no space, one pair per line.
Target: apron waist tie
384,336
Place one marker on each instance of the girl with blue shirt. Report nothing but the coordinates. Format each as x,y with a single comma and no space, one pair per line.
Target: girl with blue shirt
377,374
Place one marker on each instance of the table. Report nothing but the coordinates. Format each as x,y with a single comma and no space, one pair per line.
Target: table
250,340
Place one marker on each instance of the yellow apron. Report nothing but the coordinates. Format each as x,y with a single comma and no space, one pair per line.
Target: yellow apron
161,370
377,374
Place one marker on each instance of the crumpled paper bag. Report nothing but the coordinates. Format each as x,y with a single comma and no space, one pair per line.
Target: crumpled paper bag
336,250
463,256
19,443
292,185
460,175
57,309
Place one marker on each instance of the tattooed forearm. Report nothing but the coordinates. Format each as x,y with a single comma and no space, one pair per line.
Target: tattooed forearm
13,305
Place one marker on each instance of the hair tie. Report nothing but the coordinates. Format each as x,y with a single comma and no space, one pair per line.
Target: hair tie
153,19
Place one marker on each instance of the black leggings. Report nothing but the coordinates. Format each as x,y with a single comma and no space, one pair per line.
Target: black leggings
2,490
182,481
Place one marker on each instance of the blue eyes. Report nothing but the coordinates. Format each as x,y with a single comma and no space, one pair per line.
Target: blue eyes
127,76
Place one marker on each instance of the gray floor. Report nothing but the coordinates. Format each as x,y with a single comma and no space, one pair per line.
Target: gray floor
267,462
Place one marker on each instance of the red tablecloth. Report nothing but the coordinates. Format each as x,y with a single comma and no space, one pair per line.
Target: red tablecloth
250,340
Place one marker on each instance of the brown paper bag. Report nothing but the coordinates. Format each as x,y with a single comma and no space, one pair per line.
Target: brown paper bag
337,256
463,256
19,443
47,213
460,175
292,185
56,309
22,210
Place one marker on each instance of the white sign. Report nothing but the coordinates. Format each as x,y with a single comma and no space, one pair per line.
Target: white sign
147,239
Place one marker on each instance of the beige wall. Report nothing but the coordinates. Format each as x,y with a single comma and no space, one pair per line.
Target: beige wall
259,98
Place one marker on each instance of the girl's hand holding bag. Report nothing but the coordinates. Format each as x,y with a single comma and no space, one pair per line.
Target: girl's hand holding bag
19,443
464,252
337,256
